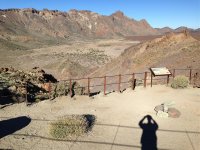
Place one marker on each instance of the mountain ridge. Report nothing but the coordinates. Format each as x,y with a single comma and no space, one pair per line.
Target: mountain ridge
62,24
164,51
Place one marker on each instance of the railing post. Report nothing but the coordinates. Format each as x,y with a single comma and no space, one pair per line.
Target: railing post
88,86
145,79
104,85
151,79
119,85
167,79
174,71
49,89
133,81
70,87
190,76
26,93
195,79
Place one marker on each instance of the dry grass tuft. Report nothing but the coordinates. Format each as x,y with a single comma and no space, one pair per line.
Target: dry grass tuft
71,126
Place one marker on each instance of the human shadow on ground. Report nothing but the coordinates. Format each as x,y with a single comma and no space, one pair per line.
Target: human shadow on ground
12,125
149,138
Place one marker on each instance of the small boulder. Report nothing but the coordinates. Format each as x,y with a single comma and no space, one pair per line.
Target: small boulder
174,113
159,108
12,88
162,114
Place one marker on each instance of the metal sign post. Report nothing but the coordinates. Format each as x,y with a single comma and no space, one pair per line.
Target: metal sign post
162,71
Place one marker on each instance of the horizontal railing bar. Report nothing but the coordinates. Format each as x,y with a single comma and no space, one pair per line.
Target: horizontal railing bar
97,77
112,83
137,73
96,85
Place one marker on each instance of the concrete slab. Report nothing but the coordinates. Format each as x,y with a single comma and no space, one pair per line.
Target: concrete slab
195,140
100,133
129,137
52,145
173,140
90,146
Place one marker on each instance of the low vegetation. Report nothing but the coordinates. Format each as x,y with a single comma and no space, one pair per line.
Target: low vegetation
105,45
180,82
71,126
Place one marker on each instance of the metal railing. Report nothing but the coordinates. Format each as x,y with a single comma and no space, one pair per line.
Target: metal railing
120,82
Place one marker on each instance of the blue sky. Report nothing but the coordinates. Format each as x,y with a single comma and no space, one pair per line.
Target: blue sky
159,13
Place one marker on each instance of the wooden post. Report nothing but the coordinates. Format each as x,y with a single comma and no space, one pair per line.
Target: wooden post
49,89
64,87
151,79
190,76
119,85
26,93
167,79
145,79
174,71
133,82
88,86
104,85
70,87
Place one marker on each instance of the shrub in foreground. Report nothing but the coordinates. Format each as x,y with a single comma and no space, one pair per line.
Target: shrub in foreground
180,82
71,126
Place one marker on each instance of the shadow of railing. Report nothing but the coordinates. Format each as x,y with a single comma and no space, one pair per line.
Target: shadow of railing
120,126
84,141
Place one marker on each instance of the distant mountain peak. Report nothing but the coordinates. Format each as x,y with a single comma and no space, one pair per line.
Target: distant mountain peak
118,13
145,23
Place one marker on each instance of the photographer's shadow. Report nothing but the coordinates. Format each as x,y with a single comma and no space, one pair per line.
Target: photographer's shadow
149,138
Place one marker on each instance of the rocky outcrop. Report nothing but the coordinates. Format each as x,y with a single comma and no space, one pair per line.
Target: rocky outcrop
18,84
169,50
33,86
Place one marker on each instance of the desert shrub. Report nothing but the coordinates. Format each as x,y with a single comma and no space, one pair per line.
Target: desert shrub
71,126
37,100
180,82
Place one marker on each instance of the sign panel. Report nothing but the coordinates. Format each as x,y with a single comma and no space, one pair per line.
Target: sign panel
163,71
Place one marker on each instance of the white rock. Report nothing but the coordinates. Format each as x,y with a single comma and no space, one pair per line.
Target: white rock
3,16
162,114
169,103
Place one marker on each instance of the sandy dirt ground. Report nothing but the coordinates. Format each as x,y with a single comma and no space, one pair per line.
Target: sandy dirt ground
117,118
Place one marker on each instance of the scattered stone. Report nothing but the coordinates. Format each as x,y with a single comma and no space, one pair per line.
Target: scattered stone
168,103
13,88
174,113
162,107
165,110
162,114
159,108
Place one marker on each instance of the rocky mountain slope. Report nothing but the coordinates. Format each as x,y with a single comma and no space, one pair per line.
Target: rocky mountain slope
174,50
193,32
30,26
30,37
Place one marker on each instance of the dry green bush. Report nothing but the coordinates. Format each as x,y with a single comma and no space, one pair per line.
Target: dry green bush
180,82
70,126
